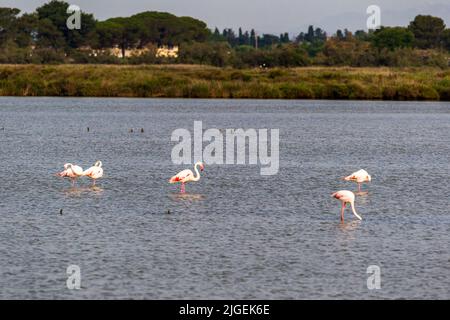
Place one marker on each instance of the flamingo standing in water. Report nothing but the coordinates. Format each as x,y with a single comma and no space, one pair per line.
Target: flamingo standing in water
359,177
187,176
345,197
95,172
71,171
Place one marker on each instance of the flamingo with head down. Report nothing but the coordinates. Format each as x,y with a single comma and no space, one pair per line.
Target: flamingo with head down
359,177
95,172
71,171
345,197
187,175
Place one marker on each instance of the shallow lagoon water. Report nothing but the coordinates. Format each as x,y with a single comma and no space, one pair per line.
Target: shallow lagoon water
235,234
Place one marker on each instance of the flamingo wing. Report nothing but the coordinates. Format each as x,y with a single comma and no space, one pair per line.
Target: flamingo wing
358,176
182,176
88,172
77,170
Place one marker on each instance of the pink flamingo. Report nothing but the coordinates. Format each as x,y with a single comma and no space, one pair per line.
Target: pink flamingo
71,171
359,177
95,172
345,197
187,176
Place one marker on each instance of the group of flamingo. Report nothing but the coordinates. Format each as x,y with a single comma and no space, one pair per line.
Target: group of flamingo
96,172
73,172
346,196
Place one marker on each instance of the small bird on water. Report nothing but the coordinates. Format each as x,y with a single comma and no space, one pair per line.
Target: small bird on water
61,211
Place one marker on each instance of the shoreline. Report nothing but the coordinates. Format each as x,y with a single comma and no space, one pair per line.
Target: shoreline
207,82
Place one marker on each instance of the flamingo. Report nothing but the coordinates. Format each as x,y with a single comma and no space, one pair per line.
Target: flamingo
187,176
345,197
95,172
359,177
71,171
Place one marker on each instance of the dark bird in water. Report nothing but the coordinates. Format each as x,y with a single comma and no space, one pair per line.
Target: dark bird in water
61,211
168,211
131,130
142,130
87,129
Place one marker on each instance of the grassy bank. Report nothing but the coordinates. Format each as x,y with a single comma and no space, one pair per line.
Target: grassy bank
188,81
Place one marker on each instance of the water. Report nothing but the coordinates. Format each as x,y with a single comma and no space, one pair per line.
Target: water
236,234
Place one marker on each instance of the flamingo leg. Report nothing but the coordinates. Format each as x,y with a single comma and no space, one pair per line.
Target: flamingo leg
182,188
342,211
94,183
359,187
73,182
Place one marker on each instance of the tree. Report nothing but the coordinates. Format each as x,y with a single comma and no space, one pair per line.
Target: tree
8,27
49,36
268,40
117,32
151,27
320,35
427,31
392,38
241,37
284,37
300,38
446,39
348,34
56,12
310,34
217,36
361,35
253,39
27,30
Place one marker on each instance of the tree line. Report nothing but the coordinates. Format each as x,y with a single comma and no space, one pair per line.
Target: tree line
43,37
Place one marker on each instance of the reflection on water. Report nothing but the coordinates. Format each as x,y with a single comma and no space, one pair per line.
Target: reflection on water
234,234
362,198
186,197
79,191
348,225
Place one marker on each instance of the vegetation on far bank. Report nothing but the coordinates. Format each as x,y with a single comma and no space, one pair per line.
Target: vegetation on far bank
42,37
195,81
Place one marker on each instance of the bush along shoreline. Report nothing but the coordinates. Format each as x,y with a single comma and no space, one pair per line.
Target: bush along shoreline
196,81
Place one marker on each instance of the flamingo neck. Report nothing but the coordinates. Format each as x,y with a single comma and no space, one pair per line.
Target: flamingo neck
197,177
354,211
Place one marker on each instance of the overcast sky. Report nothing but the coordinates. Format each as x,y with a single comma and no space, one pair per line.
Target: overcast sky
268,16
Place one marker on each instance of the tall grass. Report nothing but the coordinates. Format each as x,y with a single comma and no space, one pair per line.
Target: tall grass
193,81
